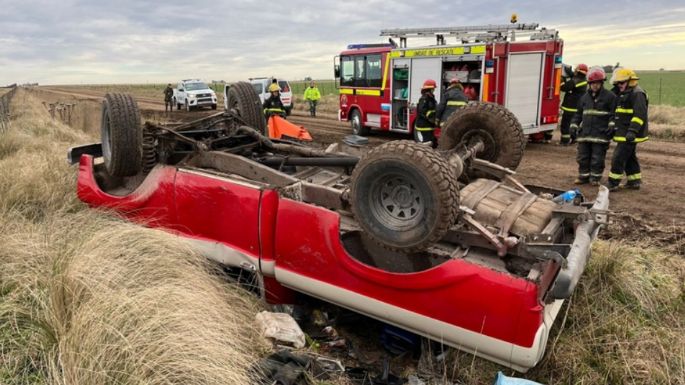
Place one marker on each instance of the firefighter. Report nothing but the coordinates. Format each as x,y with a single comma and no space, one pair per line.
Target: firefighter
631,128
591,122
312,96
168,96
452,100
424,126
273,105
573,89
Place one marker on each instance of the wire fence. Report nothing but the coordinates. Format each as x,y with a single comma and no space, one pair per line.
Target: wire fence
5,109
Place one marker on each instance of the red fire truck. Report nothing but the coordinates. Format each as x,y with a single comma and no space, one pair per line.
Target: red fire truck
515,65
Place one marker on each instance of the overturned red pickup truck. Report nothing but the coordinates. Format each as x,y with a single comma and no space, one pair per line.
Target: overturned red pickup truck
442,242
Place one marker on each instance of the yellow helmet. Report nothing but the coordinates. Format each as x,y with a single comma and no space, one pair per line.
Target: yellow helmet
625,75
274,87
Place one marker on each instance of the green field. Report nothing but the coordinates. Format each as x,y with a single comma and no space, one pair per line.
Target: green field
326,87
664,87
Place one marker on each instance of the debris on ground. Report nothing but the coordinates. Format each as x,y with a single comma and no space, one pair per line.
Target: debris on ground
501,379
281,328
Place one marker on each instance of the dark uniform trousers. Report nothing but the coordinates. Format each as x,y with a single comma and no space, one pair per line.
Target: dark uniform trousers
625,161
590,159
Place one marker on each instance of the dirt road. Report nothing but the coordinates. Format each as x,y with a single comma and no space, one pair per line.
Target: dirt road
655,214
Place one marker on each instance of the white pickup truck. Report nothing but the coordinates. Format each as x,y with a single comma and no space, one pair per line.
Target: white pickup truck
192,93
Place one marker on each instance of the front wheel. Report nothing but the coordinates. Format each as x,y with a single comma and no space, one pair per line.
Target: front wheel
404,195
356,122
214,106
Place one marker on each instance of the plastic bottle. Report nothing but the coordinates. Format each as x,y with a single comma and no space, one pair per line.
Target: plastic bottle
568,196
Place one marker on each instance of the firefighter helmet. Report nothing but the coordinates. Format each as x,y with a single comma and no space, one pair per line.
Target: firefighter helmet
274,87
596,75
429,84
582,68
625,75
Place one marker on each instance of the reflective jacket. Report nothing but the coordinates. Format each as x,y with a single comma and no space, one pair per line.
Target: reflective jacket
595,112
425,113
573,89
312,93
453,99
631,114
273,105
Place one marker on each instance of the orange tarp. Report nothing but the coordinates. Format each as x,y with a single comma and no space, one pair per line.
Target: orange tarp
279,127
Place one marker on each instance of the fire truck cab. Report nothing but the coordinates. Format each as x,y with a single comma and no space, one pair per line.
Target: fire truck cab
514,65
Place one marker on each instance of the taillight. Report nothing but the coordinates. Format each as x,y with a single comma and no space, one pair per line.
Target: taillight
550,119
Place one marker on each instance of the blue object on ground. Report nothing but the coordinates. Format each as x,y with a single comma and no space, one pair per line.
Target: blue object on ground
501,379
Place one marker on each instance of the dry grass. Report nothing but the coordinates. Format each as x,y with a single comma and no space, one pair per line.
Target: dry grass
328,104
625,324
86,298
667,122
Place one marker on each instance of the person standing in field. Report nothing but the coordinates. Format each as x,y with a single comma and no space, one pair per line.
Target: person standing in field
630,119
312,96
573,89
591,122
168,96
452,100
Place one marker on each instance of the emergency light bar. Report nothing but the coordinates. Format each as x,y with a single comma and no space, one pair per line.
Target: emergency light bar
409,32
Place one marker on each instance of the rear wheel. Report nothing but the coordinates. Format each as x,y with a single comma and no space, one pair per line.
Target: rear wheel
122,135
404,195
356,122
244,101
494,125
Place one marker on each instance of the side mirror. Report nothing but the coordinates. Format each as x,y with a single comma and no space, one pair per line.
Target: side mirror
336,71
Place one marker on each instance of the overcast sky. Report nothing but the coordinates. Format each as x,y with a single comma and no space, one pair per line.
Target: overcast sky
125,41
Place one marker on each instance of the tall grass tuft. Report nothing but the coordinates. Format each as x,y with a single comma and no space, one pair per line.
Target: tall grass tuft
86,298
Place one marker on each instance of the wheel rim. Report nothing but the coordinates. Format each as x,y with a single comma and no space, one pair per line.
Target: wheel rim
491,149
396,202
356,123
106,138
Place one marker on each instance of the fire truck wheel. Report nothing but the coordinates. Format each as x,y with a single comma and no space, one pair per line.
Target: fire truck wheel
356,122
494,125
404,195
122,135
243,99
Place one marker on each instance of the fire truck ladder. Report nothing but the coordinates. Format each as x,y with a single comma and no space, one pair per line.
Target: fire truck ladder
478,33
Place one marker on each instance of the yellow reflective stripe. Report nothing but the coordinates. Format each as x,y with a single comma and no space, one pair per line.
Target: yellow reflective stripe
368,92
455,103
478,49
615,176
387,69
430,112
424,128
592,140
637,140
568,109
637,120
346,91
624,110
273,110
595,112
581,84
566,136
637,176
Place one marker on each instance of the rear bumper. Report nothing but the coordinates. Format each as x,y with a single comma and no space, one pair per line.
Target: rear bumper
581,249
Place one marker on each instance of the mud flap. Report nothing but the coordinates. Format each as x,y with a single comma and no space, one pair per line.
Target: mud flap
74,153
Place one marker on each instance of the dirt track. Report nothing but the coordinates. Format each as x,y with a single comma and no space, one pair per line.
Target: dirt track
655,214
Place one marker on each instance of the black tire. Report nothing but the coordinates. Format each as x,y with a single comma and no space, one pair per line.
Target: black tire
178,106
497,127
356,123
404,195
122,135
214,106
244,100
